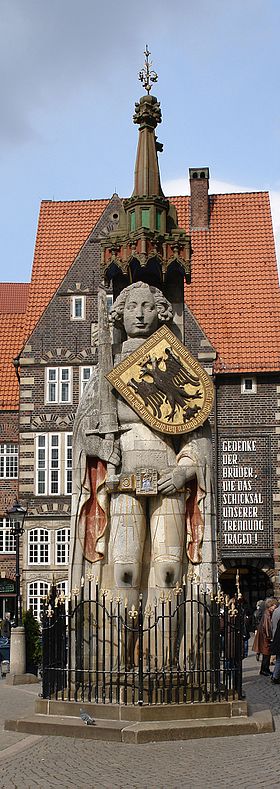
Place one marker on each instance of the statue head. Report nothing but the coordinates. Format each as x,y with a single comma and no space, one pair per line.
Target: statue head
140,308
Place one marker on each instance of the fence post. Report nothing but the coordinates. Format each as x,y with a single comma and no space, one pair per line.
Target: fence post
239,627
140,662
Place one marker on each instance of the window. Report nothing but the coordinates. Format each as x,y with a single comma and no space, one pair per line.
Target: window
62,543
145,217
37,591
109,298
53,464
7,541
8,461
58,384
78,308
158,219
248,385
68,463
132,220
85,374
39,546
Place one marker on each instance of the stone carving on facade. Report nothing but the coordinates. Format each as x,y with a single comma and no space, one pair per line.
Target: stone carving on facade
48,421
58,355
142,502
55,508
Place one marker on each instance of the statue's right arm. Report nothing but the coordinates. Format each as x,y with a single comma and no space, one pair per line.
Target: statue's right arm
85,434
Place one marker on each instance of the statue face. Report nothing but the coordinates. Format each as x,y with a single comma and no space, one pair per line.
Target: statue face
140,316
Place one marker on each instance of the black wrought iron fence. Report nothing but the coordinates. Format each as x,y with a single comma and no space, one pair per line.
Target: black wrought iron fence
186,647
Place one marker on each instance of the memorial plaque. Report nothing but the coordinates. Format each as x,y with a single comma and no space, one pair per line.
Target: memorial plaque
245,496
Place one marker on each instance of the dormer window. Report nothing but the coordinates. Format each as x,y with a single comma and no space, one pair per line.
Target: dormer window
78,308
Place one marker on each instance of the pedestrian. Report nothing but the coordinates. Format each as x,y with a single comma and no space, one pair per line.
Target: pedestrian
6,626
257,615
275,619
258,612
275,648
262,640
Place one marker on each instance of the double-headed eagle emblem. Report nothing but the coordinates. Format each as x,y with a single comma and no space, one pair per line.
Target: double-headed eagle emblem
164,384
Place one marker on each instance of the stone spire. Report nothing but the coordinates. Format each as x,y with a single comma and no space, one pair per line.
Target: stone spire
147,115
146,175
148,245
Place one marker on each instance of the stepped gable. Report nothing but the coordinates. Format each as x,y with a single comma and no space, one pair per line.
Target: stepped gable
13,300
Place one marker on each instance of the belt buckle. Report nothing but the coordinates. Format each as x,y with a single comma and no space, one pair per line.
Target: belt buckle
146,482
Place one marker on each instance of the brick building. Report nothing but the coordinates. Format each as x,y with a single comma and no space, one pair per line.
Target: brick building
13,301
231,324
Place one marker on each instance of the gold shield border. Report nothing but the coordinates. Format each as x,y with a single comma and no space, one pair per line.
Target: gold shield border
114,377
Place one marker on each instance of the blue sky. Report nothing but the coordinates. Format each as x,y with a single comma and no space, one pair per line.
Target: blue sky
67,91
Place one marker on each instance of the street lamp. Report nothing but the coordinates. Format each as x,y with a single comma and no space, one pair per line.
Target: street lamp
16,515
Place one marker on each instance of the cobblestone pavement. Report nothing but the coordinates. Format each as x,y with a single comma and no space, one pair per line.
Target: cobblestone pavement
47,762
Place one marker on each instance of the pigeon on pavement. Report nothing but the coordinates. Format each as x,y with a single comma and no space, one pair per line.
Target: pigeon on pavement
86,718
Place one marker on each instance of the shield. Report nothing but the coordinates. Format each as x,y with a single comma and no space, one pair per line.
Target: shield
164,384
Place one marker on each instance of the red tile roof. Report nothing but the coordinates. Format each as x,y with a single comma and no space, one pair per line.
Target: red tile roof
234,293
63,228
13,296
13,301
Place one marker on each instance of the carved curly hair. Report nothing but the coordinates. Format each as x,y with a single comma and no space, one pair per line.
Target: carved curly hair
164,308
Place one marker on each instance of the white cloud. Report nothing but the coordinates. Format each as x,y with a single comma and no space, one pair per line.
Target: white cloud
180,186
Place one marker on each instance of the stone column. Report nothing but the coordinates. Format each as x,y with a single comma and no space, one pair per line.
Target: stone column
17,651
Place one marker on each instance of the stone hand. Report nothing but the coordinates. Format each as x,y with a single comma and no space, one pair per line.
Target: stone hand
172,480
115,457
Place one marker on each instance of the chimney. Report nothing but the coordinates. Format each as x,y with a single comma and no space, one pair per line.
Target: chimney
199,185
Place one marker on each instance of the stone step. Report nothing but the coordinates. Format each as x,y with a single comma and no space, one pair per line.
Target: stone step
131,712
142,732
65,726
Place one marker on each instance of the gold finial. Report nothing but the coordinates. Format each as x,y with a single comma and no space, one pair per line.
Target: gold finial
147,75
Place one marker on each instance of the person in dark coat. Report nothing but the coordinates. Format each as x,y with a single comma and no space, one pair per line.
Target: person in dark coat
6,626
258,612
275,650
262,640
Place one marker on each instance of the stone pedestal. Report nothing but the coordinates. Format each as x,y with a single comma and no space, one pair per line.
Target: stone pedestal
17,651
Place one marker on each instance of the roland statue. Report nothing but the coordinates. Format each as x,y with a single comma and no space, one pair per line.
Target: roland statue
137,536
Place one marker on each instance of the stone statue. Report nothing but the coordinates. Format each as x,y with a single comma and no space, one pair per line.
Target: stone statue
138,541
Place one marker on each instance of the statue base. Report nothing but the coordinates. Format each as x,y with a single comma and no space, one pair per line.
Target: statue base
135,724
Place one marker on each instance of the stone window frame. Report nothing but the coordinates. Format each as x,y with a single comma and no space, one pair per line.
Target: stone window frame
75,300
39,546
37,591
62,546
6,538
83,380
9,460
247,390
56,384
